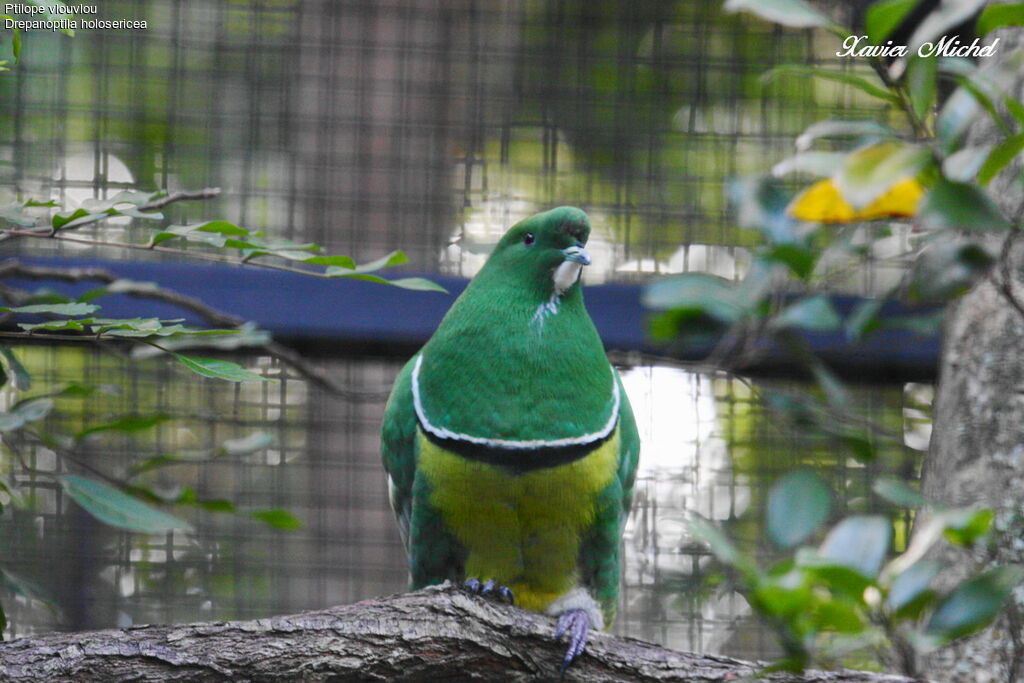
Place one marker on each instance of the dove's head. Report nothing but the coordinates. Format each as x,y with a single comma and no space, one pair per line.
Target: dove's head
547,249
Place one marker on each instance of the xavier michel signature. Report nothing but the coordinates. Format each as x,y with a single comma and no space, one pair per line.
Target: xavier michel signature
946,46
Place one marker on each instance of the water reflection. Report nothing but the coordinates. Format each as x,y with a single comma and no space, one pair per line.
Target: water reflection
685,468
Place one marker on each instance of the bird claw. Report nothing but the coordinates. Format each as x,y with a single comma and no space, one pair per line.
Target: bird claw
576,624
489,589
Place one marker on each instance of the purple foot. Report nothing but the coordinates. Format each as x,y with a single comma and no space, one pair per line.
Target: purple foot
490,588
576,624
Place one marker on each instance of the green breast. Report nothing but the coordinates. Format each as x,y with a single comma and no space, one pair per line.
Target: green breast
490,372
523,530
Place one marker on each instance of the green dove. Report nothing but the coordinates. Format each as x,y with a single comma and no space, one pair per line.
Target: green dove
509,442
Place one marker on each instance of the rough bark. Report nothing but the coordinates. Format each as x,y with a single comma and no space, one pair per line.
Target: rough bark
976,456
440,633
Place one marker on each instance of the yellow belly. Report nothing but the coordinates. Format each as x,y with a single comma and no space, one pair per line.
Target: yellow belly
522,530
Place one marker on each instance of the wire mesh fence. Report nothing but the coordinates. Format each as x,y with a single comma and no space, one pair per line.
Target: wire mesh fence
367,126
709,448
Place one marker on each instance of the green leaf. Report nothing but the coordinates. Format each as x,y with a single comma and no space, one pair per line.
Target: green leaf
817,163
335,261
66,220
963,165
28,588
838,397
815,313
859,82
837,616
882,18
897,492
838,578
12,367
223,228
248,335
165,460
14,493
800,260
126,425
978,91
922,84
47,296
798,504
760,203
928,530
864,319
124,203
792,13
418,284
79,390
1001,155
974,603
955,116
910,586
57,325
16,50
946,269
859,543
959,206
871,171
218,505
15,213
247,444
395,258
721,547
867,130
277,518
116,508
698,291
997,15
946,16
1015,107
219,369
150,327
24,412
122,286
966,527
783,596
54,309
414,283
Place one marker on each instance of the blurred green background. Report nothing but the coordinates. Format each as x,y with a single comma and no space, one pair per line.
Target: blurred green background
367,126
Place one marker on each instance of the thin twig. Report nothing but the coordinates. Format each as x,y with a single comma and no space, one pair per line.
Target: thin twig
919,126
13,268
205,193
20,457
190,253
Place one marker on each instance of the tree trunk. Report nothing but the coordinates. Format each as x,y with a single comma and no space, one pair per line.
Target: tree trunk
440,633
976,456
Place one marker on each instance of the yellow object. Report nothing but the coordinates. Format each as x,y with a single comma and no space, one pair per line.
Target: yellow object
523,530
822,203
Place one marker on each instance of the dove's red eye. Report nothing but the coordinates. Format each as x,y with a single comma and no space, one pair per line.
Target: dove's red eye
529,238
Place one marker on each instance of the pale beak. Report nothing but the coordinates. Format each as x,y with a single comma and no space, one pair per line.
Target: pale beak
577,254
568,271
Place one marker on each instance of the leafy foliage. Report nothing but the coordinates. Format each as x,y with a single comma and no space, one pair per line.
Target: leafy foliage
849,585
848,590
124,500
